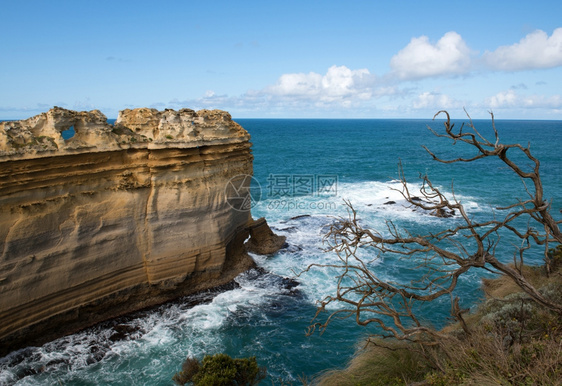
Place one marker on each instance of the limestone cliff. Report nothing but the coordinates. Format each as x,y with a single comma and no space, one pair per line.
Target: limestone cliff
116,218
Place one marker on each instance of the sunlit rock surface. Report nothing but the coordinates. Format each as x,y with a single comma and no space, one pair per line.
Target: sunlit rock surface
116,218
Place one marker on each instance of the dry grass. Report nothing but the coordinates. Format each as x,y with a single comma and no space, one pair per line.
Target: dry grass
502,286
513,341
376,366
485,358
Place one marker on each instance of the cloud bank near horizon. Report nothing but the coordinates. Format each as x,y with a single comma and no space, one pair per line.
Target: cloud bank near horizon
412,83
450,57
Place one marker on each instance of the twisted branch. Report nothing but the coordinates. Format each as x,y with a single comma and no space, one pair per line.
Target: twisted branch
442,257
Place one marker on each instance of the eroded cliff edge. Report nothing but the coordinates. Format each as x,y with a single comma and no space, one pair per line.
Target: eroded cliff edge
116,218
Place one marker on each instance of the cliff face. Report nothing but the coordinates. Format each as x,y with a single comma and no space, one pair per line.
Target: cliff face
117,218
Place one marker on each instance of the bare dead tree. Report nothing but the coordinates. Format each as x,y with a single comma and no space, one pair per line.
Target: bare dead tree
441,258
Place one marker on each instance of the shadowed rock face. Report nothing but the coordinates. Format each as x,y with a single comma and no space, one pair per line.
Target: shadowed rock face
262,239
117,218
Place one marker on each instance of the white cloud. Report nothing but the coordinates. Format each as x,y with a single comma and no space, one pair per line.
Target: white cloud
511,99
421,59
434,100
339,91
338,84
503,99
297,84
341,81
536,50
342,91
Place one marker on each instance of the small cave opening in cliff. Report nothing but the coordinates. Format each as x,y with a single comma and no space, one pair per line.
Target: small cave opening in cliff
68,133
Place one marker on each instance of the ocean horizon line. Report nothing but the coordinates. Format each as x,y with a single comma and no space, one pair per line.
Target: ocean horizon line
352,119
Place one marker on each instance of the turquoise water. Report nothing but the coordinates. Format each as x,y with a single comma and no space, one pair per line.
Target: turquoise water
266,315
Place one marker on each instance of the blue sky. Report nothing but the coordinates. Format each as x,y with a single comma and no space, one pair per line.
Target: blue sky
284,59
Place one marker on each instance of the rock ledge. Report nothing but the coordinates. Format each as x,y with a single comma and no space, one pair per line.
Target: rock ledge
41,135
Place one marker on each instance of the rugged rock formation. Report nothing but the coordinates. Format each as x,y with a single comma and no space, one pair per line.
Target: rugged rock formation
116,218
262,239
40,136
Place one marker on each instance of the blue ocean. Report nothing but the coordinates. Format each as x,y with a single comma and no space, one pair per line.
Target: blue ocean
304,170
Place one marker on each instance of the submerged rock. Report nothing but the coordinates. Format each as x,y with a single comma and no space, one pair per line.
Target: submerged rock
444,213
300,217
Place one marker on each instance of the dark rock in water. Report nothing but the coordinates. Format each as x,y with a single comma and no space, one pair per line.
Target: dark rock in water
203,297
390,203
444,213
19,356
256,272
29,371
98,356
94,349
123,331
59,361
299,217
290,248
414,198
284,283
290,285
262,239
288,229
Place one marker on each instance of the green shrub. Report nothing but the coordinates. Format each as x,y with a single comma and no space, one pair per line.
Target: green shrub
189,368
219,370
554,261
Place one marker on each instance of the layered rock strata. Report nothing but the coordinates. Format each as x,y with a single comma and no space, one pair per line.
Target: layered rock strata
116,218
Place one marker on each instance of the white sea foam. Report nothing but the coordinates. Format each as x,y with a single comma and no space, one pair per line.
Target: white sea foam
188,330
375,202
378,200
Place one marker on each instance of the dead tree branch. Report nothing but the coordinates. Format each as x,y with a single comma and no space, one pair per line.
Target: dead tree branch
440,258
